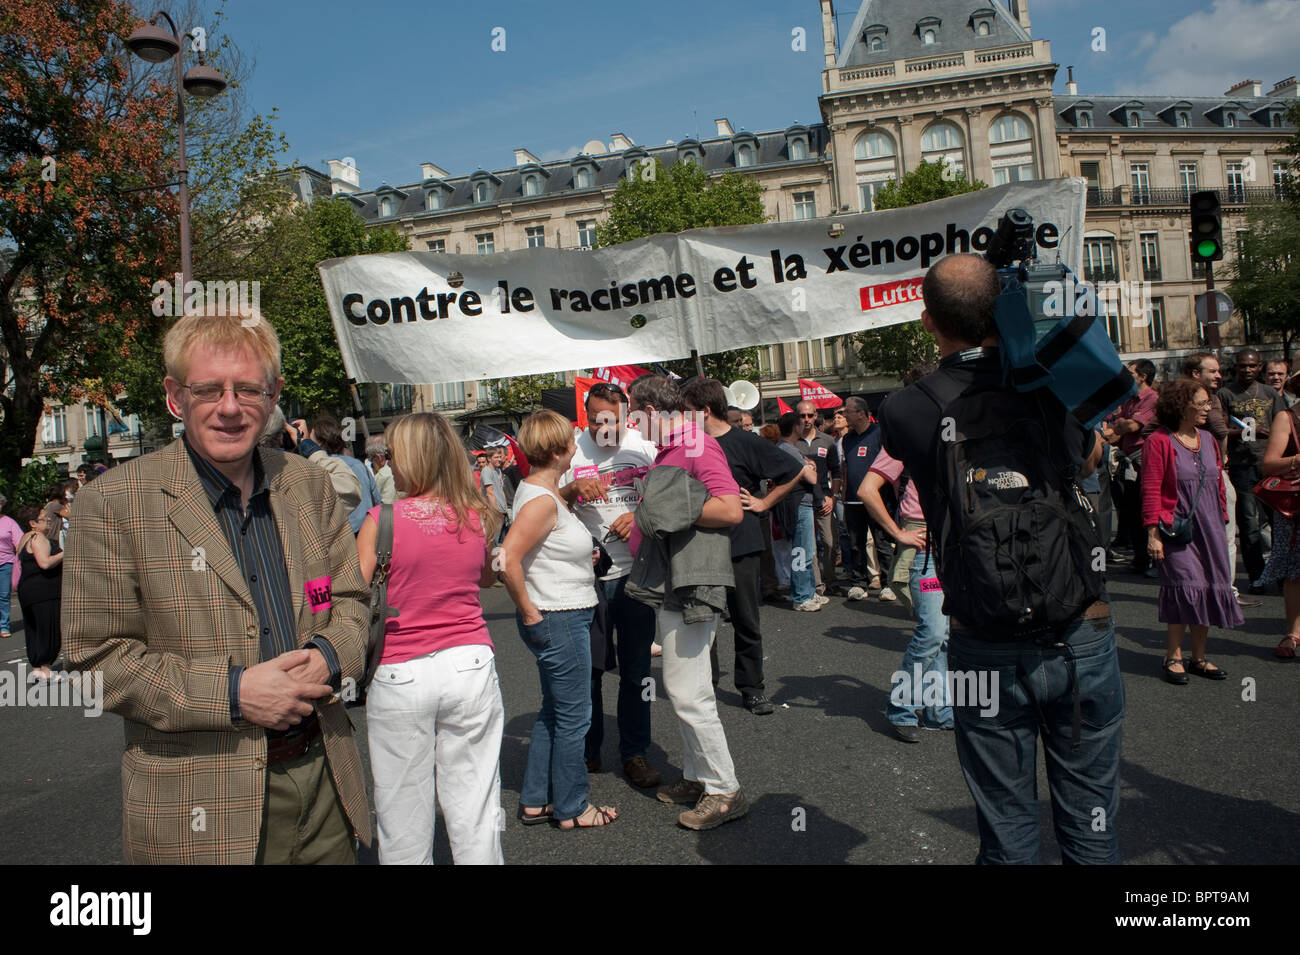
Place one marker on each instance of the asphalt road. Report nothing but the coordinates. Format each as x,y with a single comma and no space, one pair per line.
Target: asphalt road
1207,776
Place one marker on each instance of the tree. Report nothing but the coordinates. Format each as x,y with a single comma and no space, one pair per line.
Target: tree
80,248
521,394
649,202
1265,276
293,299
896,349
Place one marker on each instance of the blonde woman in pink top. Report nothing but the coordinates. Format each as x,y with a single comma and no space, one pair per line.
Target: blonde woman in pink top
434,711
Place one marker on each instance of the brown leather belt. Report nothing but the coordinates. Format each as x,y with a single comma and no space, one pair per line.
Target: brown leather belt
282,748
1098,610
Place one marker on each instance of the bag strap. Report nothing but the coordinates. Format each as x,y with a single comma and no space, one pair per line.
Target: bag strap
383,544
1200,457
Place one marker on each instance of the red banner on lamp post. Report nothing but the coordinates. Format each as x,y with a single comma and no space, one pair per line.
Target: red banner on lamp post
810,390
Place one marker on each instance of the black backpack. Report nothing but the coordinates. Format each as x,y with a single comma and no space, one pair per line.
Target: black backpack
1015,544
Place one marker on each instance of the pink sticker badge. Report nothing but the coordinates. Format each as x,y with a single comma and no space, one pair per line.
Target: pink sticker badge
586,471
862,451
930,584
318,594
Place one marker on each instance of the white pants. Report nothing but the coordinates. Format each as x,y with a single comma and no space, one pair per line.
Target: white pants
437,717
688,681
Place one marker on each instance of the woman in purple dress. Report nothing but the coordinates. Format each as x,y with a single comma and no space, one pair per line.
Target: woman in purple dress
1182,477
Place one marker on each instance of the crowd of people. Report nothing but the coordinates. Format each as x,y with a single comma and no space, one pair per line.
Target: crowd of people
631,538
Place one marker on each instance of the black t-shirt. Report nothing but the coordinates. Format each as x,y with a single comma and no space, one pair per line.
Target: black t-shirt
753,459
821,449
1258,403
860,452
910,418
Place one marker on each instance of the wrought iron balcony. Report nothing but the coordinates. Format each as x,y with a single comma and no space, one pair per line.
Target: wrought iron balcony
1176,197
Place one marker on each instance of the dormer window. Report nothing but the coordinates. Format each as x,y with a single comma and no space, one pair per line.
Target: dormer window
928,30
1230,120
432,200
584,176
796,142
1277,120
635,160
982,22
386,206
532,185
1134,118
746,149
1085,119
482,192
1184,119
484,186
876,37
689,155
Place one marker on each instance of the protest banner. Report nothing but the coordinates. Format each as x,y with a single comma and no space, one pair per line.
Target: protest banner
428,317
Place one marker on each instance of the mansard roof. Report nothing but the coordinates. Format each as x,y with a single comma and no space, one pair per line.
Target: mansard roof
903,40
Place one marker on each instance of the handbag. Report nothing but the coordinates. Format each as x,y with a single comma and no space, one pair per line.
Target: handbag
1282,493
380,612
1180,532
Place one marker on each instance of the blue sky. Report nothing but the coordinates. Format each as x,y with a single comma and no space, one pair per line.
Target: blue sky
395,83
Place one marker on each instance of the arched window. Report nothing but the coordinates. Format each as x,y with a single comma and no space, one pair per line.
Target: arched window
1085,119
929,37
941,136
584,178
798,148
433,200
744,155
873,146
877,44
690,156
1134,119
1230,119
481,192
385,207
982,29
532,185
1184,119
1009,129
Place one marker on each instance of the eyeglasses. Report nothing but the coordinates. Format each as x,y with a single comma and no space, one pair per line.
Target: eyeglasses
807,416
1203,404
246,394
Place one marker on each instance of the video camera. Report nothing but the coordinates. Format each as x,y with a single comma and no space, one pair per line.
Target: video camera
1066,349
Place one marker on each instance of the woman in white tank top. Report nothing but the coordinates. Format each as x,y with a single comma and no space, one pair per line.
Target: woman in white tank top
547,558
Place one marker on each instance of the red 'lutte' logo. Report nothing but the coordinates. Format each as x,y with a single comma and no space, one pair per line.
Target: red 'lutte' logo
891,293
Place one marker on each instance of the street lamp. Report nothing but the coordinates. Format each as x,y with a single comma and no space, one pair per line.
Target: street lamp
153,44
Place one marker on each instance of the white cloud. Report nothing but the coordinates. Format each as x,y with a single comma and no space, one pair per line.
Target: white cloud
551,155
1208,51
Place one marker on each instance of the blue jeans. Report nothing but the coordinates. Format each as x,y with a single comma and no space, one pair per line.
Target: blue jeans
6,580
998,752
803,553
634,633
928,648
555,772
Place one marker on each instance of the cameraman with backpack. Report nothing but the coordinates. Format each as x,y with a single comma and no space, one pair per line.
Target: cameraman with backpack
996,473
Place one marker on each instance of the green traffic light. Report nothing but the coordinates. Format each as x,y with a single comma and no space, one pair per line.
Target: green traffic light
1207,248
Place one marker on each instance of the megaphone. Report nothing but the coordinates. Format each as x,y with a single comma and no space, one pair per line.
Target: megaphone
742,395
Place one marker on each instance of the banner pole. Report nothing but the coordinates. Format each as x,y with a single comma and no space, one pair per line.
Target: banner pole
699,365
762,413
360,412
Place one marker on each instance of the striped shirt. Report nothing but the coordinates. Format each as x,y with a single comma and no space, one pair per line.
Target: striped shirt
255,541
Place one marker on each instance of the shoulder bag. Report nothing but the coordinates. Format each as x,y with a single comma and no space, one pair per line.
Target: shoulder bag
1279,492
380,612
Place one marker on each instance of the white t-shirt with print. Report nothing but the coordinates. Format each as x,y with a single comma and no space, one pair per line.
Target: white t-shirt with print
616,468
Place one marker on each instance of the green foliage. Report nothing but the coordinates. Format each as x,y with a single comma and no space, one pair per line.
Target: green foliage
650,202
29,484
1265,275
896,349
925,183
1291,181
521,394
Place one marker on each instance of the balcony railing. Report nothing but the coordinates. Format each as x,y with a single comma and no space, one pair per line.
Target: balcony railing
1151,275
1100,275
1178,196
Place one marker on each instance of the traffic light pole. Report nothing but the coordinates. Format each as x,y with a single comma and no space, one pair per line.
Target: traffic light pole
1211,331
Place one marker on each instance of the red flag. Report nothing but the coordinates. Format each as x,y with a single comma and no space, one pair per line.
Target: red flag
520,461
580,388
621,375
810,390
783,407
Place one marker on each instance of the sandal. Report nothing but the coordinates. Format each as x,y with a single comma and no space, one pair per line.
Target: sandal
1177,679
1203,668
1287,648
536,819
596,816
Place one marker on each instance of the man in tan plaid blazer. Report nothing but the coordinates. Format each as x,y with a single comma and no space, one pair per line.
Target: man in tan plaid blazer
182,568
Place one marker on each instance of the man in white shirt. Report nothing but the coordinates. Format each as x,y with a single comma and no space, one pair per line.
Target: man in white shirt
494,482
599,484
377,456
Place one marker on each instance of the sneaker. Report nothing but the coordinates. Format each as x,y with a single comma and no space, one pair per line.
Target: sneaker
684,792
714,809
759,705
908,734
857,593
822,599
887,595
808,606
640,773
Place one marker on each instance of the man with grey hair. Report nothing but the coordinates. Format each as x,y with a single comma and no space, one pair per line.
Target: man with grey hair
377,456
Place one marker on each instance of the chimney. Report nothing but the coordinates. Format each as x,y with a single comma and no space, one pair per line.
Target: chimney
829,38
724,127
523,157
1071,87
344,177
618,141
1020,12
1286,89
431,171
1252,88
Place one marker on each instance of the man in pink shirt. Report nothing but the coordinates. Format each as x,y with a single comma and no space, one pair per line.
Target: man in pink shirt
708,781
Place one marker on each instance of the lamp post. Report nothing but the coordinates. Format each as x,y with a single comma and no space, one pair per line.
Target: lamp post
155,45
